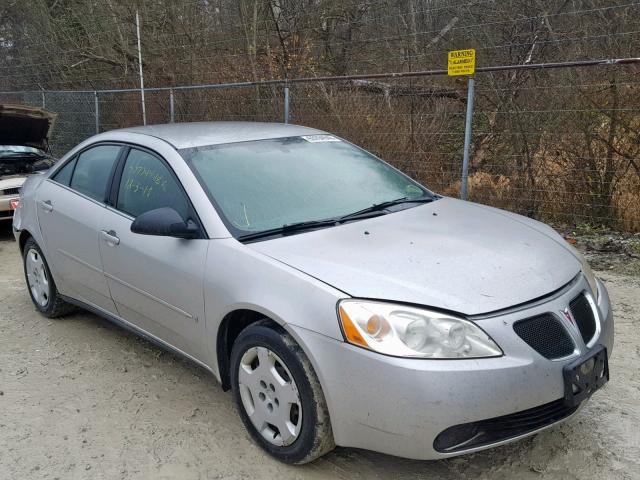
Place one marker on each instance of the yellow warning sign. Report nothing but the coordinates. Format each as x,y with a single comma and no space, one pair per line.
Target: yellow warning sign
462,62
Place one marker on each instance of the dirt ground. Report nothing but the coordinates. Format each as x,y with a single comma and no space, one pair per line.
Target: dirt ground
80,398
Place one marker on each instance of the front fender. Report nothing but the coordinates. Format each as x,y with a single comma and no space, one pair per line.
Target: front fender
238,278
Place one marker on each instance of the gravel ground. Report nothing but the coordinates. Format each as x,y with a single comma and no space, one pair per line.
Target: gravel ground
80,398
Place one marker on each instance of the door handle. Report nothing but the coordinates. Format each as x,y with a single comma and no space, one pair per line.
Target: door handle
110,237
46,205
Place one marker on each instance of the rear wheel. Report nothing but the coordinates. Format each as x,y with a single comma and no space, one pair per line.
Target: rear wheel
42,288
278,395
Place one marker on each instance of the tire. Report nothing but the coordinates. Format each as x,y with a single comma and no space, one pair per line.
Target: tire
49,304
309,418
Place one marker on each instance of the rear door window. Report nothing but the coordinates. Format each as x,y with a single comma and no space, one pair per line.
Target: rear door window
63,176
92,173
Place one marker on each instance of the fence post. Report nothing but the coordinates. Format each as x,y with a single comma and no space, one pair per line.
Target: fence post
96,111
44,103
467,139
144,104
172,117
286,104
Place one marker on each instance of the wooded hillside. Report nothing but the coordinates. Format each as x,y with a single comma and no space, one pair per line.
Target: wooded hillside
561,145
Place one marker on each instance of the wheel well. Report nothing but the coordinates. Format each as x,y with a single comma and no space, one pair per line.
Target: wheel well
232,324
24,236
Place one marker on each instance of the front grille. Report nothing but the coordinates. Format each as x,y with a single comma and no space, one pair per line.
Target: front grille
545,335
10,191
583,315
486,432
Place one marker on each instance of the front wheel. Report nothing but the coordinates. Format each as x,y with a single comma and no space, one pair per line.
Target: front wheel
278,395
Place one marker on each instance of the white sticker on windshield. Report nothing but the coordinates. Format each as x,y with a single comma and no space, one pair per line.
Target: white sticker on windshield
320,138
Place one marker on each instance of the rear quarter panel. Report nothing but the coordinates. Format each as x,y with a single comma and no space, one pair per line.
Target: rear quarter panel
25,218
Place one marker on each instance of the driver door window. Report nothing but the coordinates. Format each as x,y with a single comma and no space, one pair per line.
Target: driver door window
147,184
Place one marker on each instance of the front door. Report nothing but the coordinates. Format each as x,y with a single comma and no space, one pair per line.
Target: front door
69,207
156,282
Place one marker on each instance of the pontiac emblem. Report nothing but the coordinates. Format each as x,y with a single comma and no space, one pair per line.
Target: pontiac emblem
568,316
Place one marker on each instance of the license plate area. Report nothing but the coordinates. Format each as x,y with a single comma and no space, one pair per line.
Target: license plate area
585,376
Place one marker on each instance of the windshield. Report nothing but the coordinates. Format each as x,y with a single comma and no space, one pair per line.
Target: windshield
11,149
265,184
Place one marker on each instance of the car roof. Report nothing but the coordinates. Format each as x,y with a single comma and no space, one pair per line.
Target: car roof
196,134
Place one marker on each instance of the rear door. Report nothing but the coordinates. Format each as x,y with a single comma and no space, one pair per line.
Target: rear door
156,282
70,205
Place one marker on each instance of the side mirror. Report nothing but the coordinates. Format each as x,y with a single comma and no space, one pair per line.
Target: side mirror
164,222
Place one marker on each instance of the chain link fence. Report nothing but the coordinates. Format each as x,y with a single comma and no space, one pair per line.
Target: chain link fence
554,143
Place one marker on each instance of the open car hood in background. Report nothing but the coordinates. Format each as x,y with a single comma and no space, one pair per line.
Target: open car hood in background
23,125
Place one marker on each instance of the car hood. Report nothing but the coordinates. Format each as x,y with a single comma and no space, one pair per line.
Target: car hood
11,182
23,125
448,254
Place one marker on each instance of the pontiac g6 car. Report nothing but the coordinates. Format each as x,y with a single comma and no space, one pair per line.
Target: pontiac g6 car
341,301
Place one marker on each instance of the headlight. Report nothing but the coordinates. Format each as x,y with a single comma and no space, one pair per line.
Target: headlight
404,331
588,274
586,271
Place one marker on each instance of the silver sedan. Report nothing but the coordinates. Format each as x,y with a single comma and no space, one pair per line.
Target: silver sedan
342,302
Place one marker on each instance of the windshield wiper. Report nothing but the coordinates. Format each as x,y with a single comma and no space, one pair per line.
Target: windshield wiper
379,207
330,222
289,228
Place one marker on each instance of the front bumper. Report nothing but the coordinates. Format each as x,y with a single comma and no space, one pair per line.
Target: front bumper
398,406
